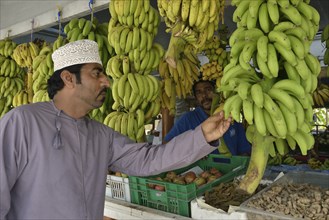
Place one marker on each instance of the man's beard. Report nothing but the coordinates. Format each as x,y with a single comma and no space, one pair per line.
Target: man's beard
208,107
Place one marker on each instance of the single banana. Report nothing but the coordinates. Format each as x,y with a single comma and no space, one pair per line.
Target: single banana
292,13
283,97
273,11
247,109
256,92
287,54
272,60
289,117
277,117
264,19
297,46
259,120
269,124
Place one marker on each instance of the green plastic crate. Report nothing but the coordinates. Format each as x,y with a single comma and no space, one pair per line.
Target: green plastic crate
176,198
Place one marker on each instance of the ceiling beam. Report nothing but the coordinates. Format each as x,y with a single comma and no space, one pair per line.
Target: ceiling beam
50,18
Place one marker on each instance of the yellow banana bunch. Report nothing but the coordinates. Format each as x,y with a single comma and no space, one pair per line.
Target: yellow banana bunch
24,54
215,51
211,71
20,98
183,76
7,47
168,101
198,18
321,95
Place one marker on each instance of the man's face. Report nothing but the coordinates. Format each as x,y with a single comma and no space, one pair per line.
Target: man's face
94,84
204,95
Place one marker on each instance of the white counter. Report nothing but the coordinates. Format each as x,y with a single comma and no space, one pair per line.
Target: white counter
118,209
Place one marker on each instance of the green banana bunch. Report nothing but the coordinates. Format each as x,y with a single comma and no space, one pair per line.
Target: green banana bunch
41,96
314,163
130,124
100,113
78,29
133,91
42,68
276,160
9,87
7,47
131,31
325,165
290,161
271,77
60,41
9,67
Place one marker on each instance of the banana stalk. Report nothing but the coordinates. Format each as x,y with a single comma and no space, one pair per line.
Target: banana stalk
29,87
216,100
175,48
257,164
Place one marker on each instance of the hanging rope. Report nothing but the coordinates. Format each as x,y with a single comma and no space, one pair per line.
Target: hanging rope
8,33
59,13
91,7
32,24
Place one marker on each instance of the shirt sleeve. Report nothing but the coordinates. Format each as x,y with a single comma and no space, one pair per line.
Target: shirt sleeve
12,156
142,159
179,127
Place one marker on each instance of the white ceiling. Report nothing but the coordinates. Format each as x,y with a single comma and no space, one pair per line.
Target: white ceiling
13,11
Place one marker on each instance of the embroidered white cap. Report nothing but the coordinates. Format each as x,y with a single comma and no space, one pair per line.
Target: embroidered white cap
77,52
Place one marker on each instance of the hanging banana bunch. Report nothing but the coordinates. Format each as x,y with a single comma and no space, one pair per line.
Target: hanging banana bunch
321,95
43,68
271,77
81,28
215,51
191,23
136,93
11,76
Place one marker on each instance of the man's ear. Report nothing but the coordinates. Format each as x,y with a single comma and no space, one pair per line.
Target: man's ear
67,78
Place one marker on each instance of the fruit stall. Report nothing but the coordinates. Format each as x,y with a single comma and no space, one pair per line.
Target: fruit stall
268,58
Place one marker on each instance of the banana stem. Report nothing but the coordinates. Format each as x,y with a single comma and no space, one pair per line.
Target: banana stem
175,48
257,164
29,89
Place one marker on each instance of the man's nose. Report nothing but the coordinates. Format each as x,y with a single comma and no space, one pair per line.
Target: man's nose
105,81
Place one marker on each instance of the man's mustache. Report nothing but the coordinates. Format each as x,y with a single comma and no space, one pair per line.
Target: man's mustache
206,100
102,91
